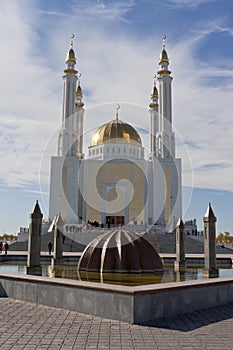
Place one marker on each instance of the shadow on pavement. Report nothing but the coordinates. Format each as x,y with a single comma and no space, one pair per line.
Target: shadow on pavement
194,320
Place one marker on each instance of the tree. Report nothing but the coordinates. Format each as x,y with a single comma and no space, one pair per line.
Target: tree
220,238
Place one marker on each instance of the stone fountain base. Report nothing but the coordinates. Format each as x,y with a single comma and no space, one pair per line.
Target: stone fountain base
138,304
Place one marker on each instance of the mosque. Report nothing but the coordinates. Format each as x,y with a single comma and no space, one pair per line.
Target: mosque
115,184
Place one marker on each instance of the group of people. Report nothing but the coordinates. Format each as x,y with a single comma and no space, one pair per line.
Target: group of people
4,246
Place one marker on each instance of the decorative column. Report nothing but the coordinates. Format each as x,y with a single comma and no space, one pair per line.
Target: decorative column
34,243
180,263
209,219
58,241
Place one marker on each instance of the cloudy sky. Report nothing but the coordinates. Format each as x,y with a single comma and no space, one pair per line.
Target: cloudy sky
117,44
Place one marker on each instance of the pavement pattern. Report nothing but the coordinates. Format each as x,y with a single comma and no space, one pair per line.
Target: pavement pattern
25,325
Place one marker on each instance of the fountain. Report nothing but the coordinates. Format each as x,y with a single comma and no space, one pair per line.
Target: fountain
121,256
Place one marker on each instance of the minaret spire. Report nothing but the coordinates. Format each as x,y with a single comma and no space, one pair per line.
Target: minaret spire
71,55
163,59
154,96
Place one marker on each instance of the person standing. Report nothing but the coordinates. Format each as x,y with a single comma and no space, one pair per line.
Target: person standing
6,247
1,246
50,247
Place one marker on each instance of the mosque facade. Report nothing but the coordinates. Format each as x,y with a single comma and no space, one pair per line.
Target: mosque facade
114,183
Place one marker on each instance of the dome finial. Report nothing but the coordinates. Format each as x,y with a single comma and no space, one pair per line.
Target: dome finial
79,76
71,55
71,41
163,55
117,111
155,77
164,39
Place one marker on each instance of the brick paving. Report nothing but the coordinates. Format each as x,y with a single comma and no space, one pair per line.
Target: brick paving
25,325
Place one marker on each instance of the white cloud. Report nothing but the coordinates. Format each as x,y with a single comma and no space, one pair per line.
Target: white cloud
188,3
114,10
28,100
95,10
203,115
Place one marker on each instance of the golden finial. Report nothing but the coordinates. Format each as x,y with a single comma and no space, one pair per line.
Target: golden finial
71,41
155,79
164,39
71,55
79,76
163,55
117,110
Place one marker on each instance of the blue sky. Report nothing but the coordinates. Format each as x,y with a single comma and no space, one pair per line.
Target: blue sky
117,45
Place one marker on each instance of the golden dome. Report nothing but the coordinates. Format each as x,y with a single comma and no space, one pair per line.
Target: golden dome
71,56
116,131
163,56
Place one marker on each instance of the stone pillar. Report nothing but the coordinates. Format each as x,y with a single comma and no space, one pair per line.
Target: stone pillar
34,243
58,241
209,219
180,263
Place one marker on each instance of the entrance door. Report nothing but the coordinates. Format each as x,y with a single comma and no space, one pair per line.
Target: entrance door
115,220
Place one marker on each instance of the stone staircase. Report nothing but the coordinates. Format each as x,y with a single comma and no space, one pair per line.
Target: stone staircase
167,244
163,243
69,245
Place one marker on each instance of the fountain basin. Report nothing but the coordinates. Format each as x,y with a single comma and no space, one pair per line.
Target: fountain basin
137,304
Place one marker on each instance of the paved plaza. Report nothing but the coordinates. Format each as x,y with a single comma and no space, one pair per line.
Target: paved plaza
25,325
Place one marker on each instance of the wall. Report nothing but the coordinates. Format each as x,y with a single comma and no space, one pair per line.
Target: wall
130,304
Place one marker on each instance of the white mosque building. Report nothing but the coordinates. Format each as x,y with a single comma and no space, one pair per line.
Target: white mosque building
114,184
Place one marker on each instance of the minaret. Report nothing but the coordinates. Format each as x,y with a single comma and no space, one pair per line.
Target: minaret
167,183
154,119
70,141
79,120
166,139
70,81
64,180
